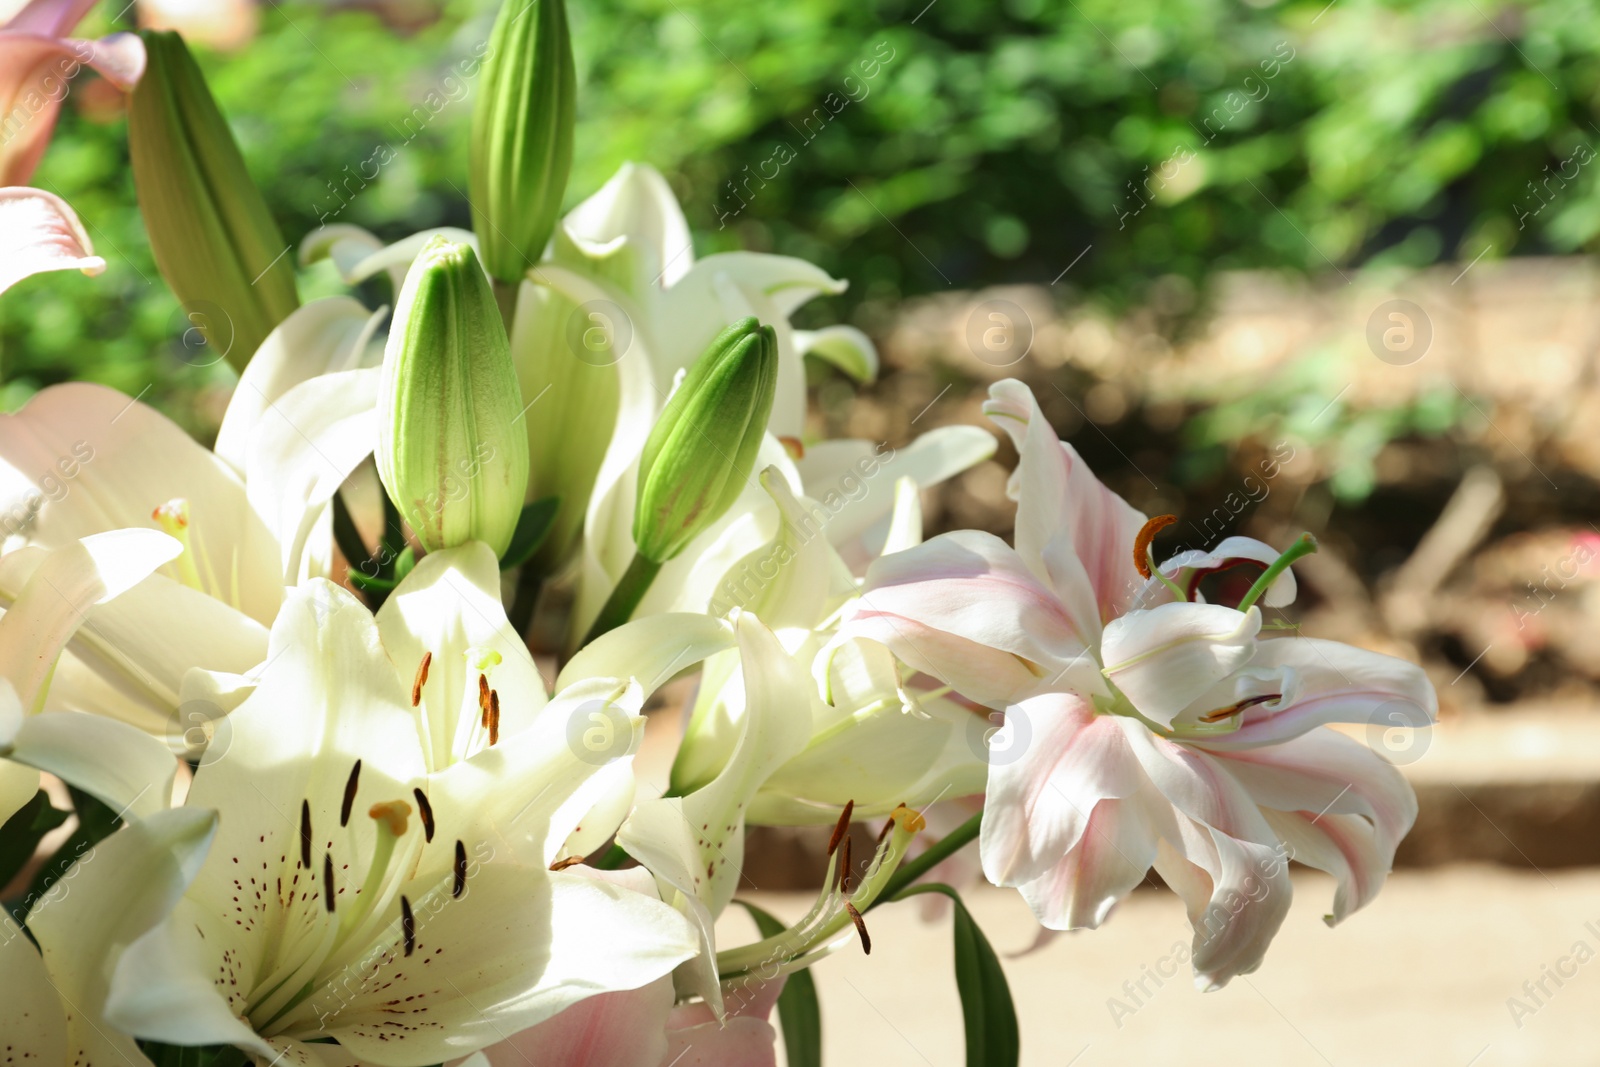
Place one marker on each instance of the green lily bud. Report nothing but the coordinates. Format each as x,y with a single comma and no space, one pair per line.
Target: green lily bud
703,447
451,453
522,135
213,238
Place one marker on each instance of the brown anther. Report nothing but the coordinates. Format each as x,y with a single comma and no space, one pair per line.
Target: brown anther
305,834
570,861
494,717
327,881
483,690
794,446
350,794
427,813
1141,544
1234,709
887,826
394,814
408,926
460,885
842,827
421,679
844,867
861,927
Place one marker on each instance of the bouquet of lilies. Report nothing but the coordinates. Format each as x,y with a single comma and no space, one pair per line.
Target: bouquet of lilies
329,810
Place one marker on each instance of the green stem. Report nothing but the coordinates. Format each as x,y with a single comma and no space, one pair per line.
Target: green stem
940,850
1304,545
625,597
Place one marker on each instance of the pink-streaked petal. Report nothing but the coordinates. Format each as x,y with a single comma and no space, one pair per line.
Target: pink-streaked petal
1325,773
1165,658
1057,761
1249,897
625,1029
964,609
1199,785
1070,527
741,1043
1111,858
1345,846
38,233
1334,682
36,73
53,18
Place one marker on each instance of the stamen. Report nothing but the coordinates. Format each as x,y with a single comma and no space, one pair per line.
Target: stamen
842,826
1141,544
350,794
570,861
1234,709
427,813
861,927
408,925
887,826
421,678
460,885
494,717
327,881
173,518
844,868
305,835
483,695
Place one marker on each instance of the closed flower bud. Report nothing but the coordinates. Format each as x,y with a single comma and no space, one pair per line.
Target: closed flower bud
522,135
213,238
451,452
703,447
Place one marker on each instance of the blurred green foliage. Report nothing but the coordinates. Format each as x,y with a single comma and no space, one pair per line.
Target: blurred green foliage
905,145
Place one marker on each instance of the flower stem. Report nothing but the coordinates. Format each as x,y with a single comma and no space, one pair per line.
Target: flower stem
1304,545
940,850
625,597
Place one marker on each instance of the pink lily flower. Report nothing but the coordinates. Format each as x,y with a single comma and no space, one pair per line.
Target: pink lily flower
1144,727
38,231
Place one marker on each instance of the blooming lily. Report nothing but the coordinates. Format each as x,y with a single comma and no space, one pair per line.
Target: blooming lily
1143,726
250,518
392,793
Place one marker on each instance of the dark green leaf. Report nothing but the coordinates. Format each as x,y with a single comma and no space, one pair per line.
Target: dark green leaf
193,1056
798,1010
20,836
96,822
533,526
986,1008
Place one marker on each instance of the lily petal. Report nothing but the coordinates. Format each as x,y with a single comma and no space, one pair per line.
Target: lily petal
1164,658
39,232
965,609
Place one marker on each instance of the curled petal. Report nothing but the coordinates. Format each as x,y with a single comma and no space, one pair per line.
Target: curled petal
1187,569
1113,855
38,233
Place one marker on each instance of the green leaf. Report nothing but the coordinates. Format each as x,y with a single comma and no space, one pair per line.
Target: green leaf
193,1055
986,1008
797,1004
533,526
20,836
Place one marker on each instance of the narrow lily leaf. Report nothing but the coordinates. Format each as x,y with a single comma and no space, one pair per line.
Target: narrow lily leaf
20,836
986,1008
533,526
798,1009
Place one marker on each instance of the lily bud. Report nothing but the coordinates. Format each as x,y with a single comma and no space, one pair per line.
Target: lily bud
522,135
703,447
451,453
213,238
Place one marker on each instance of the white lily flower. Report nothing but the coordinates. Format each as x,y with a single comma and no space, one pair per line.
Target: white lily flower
392,793
250,518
